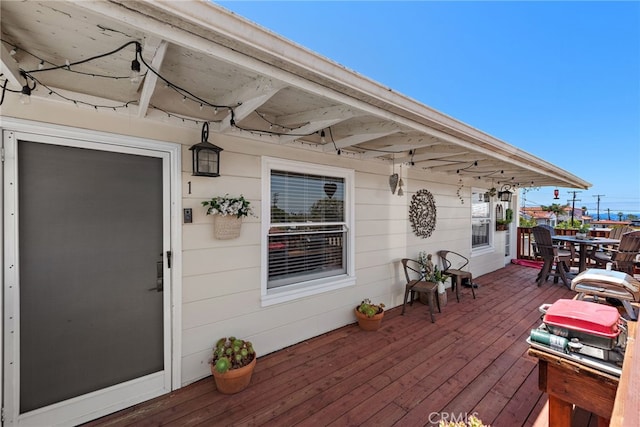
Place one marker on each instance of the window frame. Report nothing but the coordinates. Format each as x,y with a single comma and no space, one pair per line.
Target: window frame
488,247
315,286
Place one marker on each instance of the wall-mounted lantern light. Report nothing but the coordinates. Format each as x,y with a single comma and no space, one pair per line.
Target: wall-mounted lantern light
206,156
504,194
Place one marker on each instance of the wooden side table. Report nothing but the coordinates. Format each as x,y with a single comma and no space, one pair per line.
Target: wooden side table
568,382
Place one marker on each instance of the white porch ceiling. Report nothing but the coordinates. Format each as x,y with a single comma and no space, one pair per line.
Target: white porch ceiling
280,92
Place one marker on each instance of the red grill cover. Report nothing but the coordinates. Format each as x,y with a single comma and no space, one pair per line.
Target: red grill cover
584,316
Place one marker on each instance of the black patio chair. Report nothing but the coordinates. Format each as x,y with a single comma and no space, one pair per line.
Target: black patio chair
622,258
452,265
416,284
556,260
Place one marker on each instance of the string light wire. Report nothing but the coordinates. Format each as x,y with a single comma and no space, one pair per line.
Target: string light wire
186,94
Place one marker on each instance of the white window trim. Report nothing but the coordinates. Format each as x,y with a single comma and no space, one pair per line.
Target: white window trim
489,248
311,287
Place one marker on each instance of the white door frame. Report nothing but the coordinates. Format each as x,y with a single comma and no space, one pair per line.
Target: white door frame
14,129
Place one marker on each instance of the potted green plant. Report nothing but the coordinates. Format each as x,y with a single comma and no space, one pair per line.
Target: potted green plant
439,278
228,213
583,231
369,315
232,364
503,224
568,228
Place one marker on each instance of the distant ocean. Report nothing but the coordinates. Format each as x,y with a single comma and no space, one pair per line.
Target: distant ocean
613,215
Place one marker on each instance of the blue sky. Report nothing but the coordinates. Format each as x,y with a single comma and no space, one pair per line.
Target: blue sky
560,80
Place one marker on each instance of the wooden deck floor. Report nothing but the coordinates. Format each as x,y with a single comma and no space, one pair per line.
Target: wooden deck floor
410,372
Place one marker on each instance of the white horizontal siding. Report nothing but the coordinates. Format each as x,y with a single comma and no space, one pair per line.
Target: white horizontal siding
221,279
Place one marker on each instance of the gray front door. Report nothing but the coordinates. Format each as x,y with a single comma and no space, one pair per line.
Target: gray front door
91,265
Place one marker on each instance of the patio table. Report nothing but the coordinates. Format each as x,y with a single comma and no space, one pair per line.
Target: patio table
584,244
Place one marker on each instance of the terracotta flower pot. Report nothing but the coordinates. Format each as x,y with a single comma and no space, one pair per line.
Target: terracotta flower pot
369,323
234,380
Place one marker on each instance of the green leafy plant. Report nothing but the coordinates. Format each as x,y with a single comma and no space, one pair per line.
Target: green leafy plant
231,353
527,222
369,309
424,258
226,205
555,208
508,218
438,276
565,225
584,228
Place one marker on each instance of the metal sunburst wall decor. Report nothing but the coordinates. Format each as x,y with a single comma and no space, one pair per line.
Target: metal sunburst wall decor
422,213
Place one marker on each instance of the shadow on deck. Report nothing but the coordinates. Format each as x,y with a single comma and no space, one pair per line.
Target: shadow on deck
411,372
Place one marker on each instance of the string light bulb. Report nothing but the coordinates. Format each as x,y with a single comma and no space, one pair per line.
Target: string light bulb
25,95
135,75
322,136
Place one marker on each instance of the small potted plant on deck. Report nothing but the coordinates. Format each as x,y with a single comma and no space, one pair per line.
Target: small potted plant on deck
232,364
369,315
439,278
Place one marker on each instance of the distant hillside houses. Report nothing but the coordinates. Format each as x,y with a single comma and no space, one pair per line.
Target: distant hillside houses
543,217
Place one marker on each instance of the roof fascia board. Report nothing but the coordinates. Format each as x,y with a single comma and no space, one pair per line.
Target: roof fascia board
235,27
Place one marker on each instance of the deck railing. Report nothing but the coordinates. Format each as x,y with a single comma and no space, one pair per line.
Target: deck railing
525,239
524,247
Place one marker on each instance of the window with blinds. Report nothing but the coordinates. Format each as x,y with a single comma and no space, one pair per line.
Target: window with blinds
307,236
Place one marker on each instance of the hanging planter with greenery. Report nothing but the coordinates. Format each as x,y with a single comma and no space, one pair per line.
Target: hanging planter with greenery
503,224
228,213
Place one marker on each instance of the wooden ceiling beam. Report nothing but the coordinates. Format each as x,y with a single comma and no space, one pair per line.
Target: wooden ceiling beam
150,79
356,139
334,114
9,68
248,99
